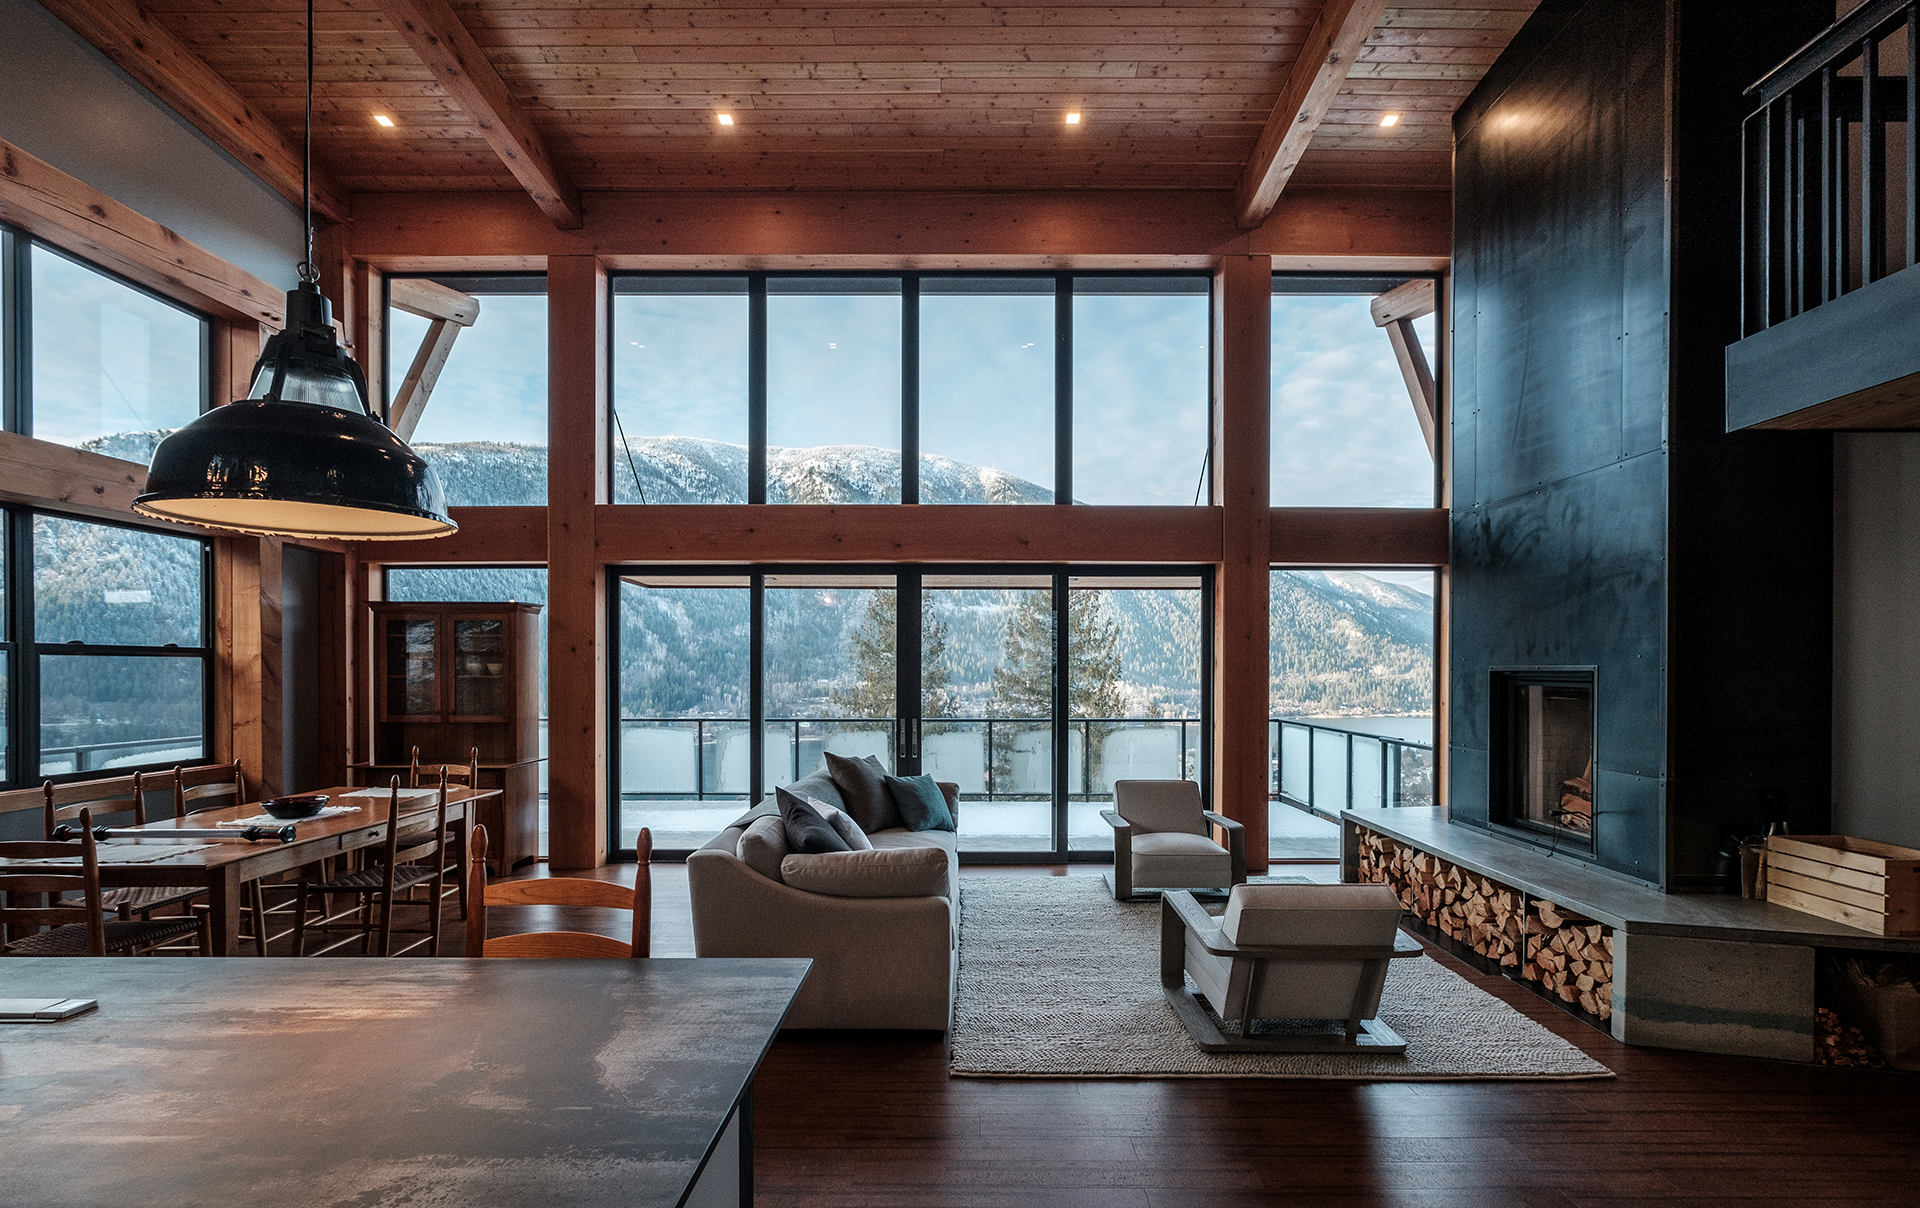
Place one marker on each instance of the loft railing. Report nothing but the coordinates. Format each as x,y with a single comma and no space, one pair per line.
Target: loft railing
1325,769
1822,213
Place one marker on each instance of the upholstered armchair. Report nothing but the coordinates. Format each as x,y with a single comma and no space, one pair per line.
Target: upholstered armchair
1284,952
1163,838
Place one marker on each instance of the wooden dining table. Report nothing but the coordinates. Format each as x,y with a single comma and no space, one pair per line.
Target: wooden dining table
222,868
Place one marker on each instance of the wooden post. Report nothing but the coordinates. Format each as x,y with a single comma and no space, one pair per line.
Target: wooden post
1242,421
336,667
577,451
273,751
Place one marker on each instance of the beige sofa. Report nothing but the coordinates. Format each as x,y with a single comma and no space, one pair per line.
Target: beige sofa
878,962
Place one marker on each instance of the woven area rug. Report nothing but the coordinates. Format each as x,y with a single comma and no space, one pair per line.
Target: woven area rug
1058,980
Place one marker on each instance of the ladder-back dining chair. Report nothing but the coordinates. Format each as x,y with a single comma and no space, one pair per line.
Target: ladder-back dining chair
466,775
568,892
105,799
405,862
56,925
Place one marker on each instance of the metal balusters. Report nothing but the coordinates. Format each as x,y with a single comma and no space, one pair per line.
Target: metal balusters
1872,165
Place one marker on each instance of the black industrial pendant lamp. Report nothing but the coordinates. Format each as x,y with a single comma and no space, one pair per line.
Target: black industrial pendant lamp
302,455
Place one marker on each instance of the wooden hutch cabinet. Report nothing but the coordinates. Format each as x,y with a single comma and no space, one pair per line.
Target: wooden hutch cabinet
448,678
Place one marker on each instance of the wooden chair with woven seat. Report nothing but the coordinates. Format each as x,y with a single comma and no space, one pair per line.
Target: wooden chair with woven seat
467,775
216,786
558,891
61,926
103,799
378,886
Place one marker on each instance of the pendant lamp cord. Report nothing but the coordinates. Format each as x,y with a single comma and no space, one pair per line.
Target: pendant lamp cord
308,273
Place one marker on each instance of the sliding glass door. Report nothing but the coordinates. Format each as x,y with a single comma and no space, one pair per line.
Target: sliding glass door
1032,688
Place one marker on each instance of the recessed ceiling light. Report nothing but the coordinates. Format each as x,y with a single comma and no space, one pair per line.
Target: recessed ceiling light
1073,119
382,119
726,119
1392,119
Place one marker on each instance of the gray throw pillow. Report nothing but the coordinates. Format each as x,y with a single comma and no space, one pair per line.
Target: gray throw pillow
817,785
763,845
807,831
863,792
842,825
893,872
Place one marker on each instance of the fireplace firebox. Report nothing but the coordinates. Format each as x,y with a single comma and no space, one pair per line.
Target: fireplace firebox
1542,734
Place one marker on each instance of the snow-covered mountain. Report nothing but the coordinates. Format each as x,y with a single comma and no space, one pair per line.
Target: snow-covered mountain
1344,643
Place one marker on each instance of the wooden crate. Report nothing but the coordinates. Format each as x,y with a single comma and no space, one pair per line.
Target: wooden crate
1872,886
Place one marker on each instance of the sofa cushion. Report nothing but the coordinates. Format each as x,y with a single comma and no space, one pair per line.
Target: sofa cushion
848,830
763,844
807,831
923,807
907,872
942,841
818,786
863,792
1172,860
1311,914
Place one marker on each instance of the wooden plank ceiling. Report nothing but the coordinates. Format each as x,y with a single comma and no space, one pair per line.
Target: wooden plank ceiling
854,95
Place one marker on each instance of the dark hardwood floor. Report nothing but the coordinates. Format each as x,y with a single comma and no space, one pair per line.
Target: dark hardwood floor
871,1119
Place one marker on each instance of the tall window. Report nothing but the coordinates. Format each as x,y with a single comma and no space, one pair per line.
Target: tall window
1351,681
119,627
680,355
1031,689
1140,381
472,399
113,368
1348,428
914,388
104,658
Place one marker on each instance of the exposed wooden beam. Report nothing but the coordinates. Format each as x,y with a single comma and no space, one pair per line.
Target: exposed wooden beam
578,447
1406,537
432,300
51,205
1395,311
961,533
1242,449
1325,57
450,312
1367,230
125,33
459,65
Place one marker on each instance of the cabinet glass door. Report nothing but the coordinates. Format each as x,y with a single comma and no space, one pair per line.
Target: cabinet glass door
480,667
413,672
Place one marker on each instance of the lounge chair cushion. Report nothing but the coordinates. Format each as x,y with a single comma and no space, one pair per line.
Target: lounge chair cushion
1165,858
1311,915
1151,806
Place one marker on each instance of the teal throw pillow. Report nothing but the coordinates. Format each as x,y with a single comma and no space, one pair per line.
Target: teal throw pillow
921,803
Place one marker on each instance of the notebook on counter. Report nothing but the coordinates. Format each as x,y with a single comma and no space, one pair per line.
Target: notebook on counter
43,1010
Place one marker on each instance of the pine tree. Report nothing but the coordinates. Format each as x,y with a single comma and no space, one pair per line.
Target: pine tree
1023,683
872,649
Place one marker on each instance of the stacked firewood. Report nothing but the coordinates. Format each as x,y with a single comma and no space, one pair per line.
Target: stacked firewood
1842,1045
1571,957
1478,912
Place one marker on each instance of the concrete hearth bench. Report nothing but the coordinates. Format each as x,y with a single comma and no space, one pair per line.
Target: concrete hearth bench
1709,973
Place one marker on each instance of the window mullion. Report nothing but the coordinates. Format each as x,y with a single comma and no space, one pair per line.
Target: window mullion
1063,389
756,415
910,389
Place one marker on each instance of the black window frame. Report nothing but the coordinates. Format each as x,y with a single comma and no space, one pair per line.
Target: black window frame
910,282
23,651
908,577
